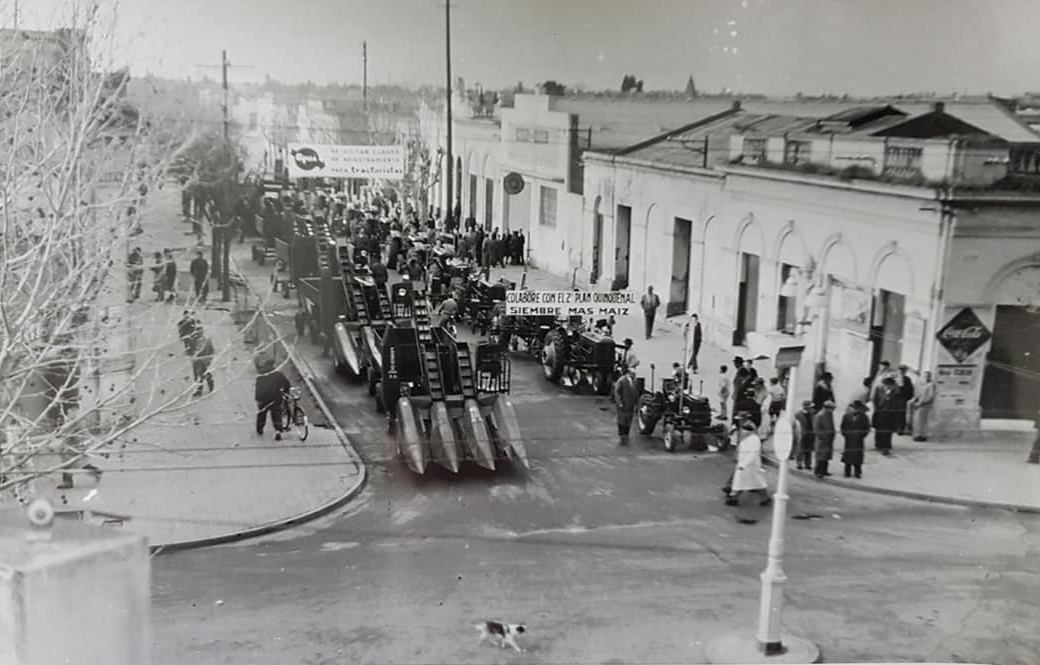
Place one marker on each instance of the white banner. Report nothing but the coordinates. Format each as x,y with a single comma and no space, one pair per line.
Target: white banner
596,304
310,160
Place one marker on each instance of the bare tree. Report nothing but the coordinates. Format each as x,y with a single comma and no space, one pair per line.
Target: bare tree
78,163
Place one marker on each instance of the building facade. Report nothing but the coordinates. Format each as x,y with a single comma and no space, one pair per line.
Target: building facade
798,239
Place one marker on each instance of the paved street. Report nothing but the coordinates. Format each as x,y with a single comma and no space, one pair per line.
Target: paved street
609,555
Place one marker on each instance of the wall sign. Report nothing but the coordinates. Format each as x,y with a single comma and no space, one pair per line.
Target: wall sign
963,335
346,161
572,303
513,183
955,385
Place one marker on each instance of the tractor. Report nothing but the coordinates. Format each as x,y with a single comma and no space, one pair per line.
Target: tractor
686,416
572,356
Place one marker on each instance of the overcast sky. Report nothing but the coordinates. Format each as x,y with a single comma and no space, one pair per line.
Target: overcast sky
862,47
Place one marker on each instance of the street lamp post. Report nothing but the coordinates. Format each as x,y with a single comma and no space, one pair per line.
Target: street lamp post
773,577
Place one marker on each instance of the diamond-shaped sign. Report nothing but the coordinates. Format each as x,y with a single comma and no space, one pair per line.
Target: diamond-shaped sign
963,335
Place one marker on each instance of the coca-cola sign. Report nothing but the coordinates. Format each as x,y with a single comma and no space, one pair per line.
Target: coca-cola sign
963,335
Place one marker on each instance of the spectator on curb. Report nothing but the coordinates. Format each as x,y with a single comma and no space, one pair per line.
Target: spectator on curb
136,273
201,360
723,392
855,425
921,408
804,436
823,428
626,395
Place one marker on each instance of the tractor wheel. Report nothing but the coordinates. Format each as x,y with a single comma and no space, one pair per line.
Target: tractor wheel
380,407
372,383
696,442
552,359
672,438
646,421
601,383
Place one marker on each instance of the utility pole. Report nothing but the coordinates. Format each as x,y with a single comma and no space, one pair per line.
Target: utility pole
364,75
225,240
450,202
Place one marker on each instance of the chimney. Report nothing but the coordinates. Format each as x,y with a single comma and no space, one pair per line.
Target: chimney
736,105
940,107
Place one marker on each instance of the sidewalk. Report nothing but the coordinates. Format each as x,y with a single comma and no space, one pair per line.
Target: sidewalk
990,472
197,473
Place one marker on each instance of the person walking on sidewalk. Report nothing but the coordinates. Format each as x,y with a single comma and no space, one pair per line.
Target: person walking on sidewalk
188,329
135,272
158,276
650,303
625,397
749,476
170,276
921,408
200,273
270,386
823,428
201,360
855,425
904,395
804,436
695,341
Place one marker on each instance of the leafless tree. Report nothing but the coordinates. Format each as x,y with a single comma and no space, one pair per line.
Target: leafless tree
77,165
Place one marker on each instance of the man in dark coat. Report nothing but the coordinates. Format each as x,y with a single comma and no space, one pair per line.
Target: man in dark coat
805,437
626,395
520,239
695,341
855,425
823,391
885,406
200,273
823,428
170,276
746,403
904,394
270,387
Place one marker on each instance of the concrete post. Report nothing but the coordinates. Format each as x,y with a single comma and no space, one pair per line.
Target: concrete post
71,592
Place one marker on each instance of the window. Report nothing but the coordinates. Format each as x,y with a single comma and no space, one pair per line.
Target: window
754,150
252,121
541,136
786,307
797,152
523,134
902,161
547,207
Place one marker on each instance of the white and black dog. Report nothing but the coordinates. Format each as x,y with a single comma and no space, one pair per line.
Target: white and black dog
505,632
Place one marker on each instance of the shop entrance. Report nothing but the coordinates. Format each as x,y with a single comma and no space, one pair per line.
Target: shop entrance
678,297
886,328
1011,378
747,298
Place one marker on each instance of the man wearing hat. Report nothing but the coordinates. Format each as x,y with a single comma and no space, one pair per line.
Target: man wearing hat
626,395
904,395
855,425
804,436
823,429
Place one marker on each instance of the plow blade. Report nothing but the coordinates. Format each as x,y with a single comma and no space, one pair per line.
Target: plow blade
508,429
478,438
442,438
411,439
374,346
346,349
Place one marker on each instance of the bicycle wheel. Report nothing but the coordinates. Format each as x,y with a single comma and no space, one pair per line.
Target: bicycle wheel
299,421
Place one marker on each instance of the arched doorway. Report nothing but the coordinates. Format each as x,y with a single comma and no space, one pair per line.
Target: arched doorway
750,246
1011,374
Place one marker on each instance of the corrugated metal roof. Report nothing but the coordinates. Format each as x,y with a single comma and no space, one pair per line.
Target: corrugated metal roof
988,116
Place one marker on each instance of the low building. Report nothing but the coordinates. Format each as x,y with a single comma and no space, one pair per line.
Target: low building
867,235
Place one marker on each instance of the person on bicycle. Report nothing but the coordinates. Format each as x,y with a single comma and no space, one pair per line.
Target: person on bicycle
270,388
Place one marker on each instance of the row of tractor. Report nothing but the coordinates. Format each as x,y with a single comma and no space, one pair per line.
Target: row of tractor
444,403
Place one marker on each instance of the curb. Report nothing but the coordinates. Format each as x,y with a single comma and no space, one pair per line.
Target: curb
917,496
306,516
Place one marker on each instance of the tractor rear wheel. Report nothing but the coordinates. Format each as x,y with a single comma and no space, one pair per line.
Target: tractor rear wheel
552,359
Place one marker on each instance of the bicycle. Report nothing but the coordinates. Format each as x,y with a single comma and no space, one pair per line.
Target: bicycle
294,414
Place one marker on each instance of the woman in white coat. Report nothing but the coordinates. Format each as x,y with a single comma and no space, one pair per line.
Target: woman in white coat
749,476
